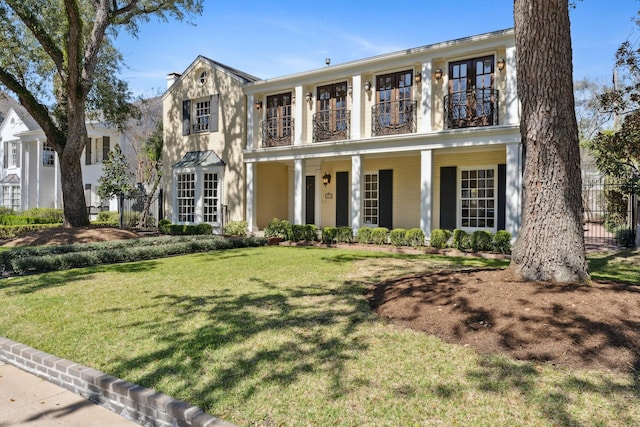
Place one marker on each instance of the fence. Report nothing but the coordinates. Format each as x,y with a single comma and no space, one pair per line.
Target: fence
133,208
609,209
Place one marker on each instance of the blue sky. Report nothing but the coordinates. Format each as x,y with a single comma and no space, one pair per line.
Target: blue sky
276,38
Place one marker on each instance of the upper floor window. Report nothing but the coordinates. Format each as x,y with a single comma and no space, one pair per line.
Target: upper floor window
200,115
277,128
472,100
202,78
48,155
395,110
332,121
11,157
97,150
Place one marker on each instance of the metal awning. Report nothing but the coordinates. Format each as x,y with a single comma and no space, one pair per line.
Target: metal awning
12,178
199,159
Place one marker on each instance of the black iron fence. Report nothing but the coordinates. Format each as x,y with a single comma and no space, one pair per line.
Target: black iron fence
610,211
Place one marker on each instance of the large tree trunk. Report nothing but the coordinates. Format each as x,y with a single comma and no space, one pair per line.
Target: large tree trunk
550,243
75,207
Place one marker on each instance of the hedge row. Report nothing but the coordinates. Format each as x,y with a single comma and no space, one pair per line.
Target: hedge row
51,258
11,231
477,241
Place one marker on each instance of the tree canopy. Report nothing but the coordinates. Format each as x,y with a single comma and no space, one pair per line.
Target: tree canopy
58,59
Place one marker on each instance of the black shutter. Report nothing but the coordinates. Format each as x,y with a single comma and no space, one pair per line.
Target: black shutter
5,159
186,117
106,142
342,199
448,197
18,153
215,107
502,196
385,198
87,152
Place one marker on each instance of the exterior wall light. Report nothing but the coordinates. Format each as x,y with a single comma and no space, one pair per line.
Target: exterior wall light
258,105
501,64
326,178
367,86
418,77
309,97
438,74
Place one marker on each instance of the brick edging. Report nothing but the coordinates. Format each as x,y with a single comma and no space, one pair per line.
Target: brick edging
139,404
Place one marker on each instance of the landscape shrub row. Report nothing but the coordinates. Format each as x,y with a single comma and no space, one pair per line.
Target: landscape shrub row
166,227
11,231
477,241
49,258
283,229
129,219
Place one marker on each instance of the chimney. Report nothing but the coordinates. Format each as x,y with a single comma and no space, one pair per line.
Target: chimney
171,79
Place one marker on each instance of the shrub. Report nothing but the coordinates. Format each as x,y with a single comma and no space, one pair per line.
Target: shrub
236,229
10,231
108,217
481,240
344,235
439,238
163,226
364,235
329,234
502,242
297,233
379,235
48,215
625,237
397,237
414,237
280,228
204,229
310,233
461,240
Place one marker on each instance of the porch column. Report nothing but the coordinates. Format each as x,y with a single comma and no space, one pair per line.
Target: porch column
514,187
511,97
426,176
299,115
298,191
356,107
251,196
356,180
425,103
250,125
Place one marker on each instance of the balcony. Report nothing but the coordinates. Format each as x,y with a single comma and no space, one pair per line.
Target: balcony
277,132
477,107
332,125
392,118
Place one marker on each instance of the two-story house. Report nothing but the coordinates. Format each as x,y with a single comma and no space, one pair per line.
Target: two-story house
30,175
426,137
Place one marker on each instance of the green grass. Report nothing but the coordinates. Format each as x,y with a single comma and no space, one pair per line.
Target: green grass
284,336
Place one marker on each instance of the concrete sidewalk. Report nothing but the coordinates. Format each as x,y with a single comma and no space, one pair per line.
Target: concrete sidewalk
27,400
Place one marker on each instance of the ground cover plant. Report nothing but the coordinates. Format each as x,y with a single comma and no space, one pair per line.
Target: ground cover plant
286,336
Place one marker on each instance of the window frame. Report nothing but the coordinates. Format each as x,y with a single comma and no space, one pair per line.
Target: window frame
48,155
201,115
484,201
368,196
206,196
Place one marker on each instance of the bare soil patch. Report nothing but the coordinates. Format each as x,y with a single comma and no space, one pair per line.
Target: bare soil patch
65,236
594,326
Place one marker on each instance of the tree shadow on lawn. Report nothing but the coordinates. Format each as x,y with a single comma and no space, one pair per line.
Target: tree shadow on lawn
29,283
242,342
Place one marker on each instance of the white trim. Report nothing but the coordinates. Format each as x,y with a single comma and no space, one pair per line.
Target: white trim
426,182
460,169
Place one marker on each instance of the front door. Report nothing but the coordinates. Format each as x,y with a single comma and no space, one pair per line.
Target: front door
342,199
310,203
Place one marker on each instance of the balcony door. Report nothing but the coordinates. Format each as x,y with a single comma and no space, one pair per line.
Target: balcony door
471,92
331,122
278,126
394,110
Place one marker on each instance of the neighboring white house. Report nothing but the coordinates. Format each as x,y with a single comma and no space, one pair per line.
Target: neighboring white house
30,173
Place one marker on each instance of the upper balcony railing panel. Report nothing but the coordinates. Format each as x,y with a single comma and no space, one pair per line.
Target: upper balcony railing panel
477,107
332,125
277,132
392,118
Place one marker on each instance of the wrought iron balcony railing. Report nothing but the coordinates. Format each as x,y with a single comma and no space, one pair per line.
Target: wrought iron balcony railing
277,132
477,107
332,125
391,118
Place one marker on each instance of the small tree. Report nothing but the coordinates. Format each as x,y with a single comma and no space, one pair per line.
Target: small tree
116,178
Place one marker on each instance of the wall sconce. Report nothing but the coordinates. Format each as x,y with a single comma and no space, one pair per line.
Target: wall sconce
327,61
350,90
309,96
438,74
367,86
258,105
501,64
326,179
418,77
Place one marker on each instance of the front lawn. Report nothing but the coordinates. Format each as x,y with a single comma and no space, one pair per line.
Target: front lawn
285,336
